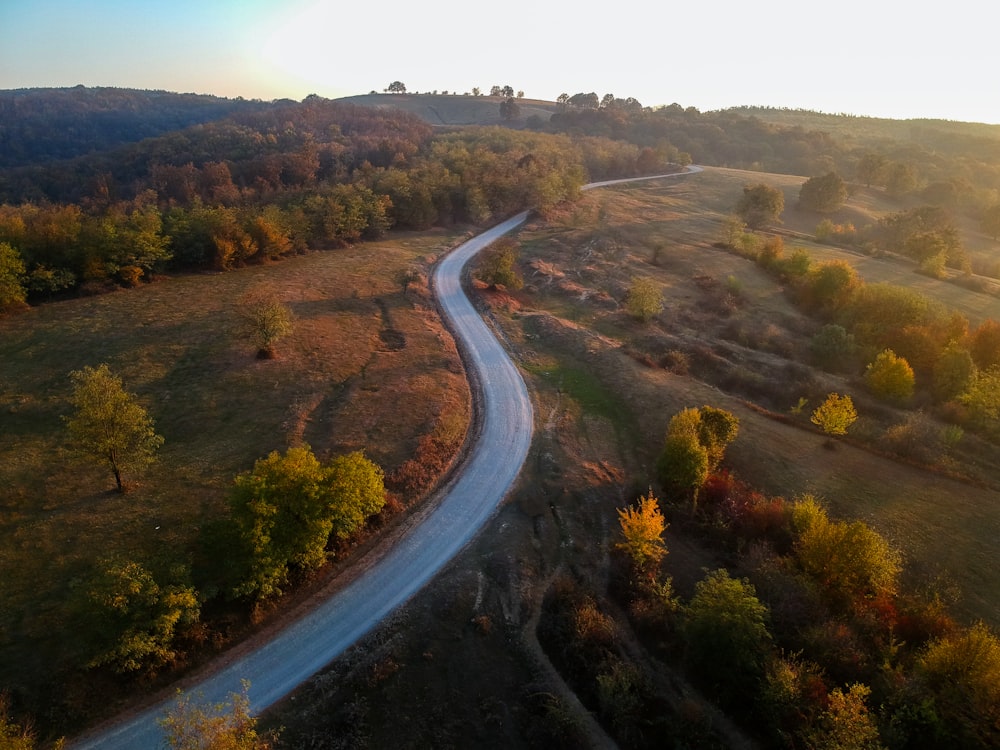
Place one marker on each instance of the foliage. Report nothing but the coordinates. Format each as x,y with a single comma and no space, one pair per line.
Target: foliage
109,424
833,347
760,204
726,636
642,527
890,377
137,618
984,344
835,414
497,265
287,509
830,286
851,561
846,722
982,397
15,736
12,278
825,193
224,726
644,300
695,444
265,320
717,428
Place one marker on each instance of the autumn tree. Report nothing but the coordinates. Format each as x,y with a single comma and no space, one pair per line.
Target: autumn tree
984,344
823,194
982,397
109,424
497,265
851,561
871,168
952,372
288,508
694,446
890,377
961,671
190,725
644,299
990,221
12,278
835,414
760,204
642,527
265,320
136,618
846,722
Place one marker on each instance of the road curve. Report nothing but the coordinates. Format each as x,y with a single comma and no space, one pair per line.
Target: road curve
500,446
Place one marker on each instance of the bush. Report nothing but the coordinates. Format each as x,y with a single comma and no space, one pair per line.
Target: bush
890,377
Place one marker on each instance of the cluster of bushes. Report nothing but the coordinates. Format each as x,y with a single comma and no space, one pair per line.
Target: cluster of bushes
910,348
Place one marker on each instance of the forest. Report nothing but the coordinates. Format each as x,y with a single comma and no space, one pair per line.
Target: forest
108,193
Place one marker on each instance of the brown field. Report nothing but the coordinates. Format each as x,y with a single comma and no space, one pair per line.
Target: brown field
366,367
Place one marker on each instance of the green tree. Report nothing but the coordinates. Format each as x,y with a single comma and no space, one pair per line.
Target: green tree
982,397
683,463
642,527
835,414
497,265
830,285
833,347
823,194
137,618
890,377
109,424
190,725
12,278
760,204
953,371
265,320
727,643
287,509
717,428
644,299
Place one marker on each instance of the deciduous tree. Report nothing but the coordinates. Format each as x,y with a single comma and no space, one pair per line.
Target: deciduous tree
835,414
642,527
726,636
644,299
12,278
497,265
760,204
890,377
265,320
823,194
109,424
136,617
191,725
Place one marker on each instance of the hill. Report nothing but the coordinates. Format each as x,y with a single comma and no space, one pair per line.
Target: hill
455,109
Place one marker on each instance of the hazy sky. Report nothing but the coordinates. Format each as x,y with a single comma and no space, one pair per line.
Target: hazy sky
885,58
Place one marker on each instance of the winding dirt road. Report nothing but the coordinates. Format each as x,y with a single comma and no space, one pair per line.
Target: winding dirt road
497,453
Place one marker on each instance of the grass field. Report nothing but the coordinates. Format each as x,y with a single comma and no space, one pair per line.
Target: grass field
366,367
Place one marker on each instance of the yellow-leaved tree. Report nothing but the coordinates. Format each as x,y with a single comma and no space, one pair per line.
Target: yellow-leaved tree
642,527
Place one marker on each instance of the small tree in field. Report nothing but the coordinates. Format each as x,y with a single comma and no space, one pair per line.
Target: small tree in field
835,414
642,527
890,376
109,424
265,320
497,266
760,204
644,300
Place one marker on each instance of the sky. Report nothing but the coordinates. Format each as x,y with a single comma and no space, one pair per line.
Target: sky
880,58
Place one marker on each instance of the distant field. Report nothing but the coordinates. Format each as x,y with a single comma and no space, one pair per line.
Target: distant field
753,352
366,367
